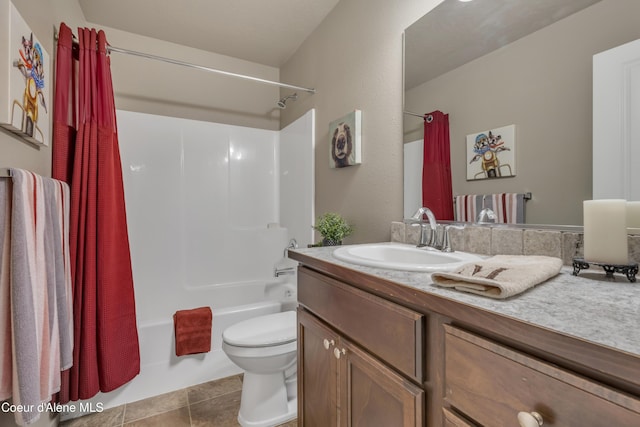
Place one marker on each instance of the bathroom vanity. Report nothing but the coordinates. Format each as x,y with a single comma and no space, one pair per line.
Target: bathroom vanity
380,347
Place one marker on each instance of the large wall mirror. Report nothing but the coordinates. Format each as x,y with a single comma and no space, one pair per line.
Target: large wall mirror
496,63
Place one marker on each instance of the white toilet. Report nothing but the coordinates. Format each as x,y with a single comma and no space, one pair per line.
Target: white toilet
265,347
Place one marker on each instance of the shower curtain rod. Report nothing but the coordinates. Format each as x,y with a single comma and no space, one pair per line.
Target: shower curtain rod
199,67
414,114
426,117
211,70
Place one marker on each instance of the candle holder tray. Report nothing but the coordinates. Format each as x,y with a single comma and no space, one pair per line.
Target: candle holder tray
629,270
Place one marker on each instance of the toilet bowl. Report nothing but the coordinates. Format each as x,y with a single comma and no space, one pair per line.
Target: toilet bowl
265,348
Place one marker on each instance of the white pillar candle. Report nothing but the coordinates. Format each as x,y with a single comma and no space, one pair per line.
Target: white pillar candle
633,214
605,231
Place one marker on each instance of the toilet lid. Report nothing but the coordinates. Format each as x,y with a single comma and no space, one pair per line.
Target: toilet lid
263,331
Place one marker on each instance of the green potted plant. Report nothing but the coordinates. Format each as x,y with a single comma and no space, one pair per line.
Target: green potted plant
333,228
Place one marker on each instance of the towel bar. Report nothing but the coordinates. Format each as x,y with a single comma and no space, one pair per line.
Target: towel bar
526,196
5,173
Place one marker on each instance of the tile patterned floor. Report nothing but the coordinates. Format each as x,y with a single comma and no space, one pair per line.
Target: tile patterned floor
212,404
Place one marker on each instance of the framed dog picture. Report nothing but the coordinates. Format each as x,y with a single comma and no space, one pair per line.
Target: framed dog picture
25,79
345,145
491,153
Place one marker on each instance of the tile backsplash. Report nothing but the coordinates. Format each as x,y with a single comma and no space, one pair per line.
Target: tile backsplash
509,240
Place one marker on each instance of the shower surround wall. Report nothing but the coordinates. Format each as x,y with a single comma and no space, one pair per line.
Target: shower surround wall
204,204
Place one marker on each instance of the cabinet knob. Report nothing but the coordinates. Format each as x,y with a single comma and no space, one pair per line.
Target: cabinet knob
328,343
530,419
337,352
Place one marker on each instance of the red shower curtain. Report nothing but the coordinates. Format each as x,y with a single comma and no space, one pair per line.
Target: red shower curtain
436,167
86,155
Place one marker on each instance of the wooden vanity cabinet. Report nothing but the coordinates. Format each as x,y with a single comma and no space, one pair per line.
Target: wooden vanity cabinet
375,353
340,381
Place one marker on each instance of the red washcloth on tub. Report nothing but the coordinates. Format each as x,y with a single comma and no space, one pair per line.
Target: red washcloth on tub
193,331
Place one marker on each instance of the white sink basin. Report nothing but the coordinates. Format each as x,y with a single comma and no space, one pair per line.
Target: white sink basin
398,256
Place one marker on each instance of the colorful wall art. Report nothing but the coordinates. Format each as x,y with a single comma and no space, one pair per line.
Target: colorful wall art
25,79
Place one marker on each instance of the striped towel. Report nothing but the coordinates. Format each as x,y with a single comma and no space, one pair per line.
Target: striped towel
508,207
5,297
40,290
468,206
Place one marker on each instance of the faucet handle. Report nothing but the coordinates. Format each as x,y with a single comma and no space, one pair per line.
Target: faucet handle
293,244
446,240
446,237
419,214
433,238
487,215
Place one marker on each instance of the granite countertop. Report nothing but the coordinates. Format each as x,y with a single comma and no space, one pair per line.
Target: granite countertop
588,306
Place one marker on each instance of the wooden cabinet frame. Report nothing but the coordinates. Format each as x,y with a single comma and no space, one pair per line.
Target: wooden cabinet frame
340,384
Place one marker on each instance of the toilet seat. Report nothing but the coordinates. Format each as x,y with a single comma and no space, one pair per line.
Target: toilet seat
263,331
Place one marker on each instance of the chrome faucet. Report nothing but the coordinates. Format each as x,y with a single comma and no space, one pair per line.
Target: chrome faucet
446,239
293,244
433,224
277,272
282,271
487,215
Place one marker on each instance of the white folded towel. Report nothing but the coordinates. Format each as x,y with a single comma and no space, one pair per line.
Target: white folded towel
500,276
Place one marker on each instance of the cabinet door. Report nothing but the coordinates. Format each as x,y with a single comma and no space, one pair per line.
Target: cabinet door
373,395
317,373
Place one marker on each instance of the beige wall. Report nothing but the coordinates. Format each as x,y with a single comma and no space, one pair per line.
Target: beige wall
542,84
161,88
354,60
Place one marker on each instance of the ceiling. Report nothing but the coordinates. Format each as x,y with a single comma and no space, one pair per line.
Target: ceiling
264,32
456,32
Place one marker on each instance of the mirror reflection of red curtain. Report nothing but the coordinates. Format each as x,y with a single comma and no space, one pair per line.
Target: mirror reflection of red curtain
437,194
86,156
